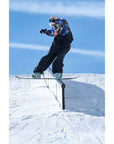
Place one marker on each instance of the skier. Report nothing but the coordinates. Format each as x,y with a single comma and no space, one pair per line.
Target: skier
60,46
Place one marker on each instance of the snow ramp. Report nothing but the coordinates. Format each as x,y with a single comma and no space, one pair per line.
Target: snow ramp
35,116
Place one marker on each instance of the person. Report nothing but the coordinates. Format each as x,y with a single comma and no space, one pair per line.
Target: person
59,48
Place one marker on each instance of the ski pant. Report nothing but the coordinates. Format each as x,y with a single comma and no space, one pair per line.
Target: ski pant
60,46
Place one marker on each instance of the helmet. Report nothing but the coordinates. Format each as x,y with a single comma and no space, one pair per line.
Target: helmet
52,18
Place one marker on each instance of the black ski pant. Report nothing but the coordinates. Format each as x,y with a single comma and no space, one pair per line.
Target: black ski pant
60,46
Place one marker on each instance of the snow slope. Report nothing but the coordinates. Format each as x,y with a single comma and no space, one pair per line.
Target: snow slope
36,118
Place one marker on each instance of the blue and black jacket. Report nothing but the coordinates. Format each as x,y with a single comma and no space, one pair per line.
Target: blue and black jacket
63,28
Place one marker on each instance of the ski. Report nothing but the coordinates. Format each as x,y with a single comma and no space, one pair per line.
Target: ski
67,78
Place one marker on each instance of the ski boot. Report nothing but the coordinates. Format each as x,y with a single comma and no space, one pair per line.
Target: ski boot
58,76
36,75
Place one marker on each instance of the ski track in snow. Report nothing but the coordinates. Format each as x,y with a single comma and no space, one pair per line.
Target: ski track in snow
36,118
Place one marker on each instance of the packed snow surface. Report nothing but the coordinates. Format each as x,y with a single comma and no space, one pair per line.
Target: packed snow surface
36,118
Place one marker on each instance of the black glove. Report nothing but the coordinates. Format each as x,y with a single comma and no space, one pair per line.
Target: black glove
43,31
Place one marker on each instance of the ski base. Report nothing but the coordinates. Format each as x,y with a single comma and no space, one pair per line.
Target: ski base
67,78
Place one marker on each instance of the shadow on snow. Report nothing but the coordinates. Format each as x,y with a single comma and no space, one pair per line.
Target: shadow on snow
86,98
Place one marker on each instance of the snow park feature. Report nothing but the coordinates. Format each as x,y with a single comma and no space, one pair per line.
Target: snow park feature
36,117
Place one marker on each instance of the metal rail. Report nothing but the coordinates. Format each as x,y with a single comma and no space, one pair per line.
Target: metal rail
57,87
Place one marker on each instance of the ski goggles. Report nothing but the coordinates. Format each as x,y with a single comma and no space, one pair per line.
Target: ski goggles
52,20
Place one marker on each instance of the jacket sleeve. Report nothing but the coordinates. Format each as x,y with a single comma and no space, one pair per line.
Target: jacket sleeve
49,32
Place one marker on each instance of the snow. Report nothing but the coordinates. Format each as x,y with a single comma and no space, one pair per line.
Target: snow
36,118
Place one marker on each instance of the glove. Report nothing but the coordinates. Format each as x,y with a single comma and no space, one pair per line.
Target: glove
43,31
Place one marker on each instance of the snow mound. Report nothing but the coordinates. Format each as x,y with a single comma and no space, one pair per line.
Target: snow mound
36,118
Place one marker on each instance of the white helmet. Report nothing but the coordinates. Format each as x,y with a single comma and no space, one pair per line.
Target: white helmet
52,18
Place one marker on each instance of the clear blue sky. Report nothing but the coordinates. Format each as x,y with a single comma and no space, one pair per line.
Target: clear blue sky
87,23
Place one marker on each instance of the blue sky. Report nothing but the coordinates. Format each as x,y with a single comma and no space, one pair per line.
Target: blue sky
27,45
